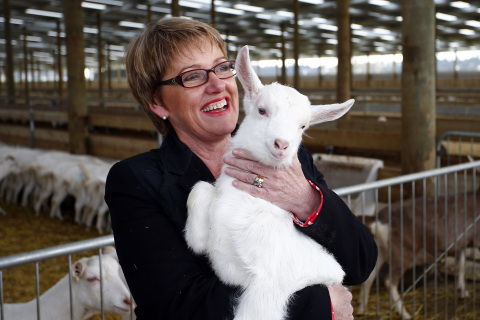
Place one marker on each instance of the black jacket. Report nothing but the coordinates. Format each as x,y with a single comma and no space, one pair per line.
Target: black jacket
147,196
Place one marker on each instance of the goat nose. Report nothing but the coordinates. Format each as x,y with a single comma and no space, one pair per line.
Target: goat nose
281,144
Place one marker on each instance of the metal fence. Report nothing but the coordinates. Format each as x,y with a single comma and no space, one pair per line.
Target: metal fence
422,222
428,286
465,145
65,250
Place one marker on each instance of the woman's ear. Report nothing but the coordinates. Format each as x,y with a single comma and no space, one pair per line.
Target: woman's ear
158,109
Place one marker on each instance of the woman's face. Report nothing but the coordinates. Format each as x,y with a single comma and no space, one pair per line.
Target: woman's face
203,114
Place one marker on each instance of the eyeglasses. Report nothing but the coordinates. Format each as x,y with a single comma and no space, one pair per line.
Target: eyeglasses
197,77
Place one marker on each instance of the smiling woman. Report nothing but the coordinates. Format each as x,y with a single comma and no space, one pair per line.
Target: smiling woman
180,72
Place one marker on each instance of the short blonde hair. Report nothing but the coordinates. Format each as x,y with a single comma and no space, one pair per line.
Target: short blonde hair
150,54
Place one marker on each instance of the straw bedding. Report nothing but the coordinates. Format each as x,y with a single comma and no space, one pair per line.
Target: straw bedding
21,230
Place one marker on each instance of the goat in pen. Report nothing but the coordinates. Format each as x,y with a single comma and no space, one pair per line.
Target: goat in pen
421,231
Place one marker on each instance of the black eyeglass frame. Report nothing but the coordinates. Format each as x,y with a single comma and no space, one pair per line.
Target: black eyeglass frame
178,79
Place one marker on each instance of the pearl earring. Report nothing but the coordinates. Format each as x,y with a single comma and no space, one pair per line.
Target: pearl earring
164,117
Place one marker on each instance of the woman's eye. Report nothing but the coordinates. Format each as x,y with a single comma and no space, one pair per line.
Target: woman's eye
191,77
262,111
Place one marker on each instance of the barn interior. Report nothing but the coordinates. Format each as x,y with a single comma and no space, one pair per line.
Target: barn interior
412,66
34,73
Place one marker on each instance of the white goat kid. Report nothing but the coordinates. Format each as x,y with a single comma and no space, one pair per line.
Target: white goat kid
55,302
252,243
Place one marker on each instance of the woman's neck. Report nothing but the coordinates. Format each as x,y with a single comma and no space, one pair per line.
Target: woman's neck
210,153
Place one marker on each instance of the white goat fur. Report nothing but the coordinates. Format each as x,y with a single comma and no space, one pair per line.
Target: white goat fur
252,243
55,302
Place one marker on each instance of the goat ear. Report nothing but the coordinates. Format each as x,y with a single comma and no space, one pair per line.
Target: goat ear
245,73
330,112
77,270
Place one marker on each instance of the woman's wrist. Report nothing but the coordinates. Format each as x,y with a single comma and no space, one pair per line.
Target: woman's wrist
312,206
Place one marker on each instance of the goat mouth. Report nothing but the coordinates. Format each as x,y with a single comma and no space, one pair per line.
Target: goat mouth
122,309
215,107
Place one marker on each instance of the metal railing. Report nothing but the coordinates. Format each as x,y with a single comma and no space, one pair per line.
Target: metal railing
441,181
465,146
455,182
49,253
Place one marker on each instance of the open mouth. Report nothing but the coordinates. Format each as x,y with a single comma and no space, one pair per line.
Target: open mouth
216,107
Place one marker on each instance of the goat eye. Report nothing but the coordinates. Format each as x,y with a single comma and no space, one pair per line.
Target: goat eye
303,127
262,111
93,279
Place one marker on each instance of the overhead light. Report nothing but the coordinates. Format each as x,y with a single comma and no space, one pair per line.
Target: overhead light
229,10
132,24
467,32
263,16
55,34
247,7
382,31
229,37
90,30
109,2
273,32
197,15
31,38
380,3
116,48
460,4
12,21
44,13
287,14
473,23
445,17
319,20
95,6
190,4
327,27
153,8
312,1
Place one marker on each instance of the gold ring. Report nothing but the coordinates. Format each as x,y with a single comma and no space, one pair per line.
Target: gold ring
258,181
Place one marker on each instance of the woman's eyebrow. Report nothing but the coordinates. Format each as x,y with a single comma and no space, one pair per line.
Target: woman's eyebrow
197,66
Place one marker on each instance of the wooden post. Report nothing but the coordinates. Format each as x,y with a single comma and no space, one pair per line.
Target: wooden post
369,75
418,86
175,8
296,46
283,79
109,69
455,69
149,13
59,63
100,58
212,14
344,51
25,65
77,93
8,47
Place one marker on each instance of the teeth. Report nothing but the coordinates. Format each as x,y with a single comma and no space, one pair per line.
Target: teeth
218,105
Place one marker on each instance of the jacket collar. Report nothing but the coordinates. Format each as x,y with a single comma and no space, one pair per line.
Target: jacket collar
182,161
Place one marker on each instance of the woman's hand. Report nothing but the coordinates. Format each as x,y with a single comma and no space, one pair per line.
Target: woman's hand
341,299
286,187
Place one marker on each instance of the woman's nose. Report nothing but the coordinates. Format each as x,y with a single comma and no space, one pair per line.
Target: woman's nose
214,83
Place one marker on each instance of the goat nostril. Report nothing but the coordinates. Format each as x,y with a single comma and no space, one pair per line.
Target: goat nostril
127,301
281,144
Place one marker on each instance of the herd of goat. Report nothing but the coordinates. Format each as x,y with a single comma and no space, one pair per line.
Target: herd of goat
43,179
